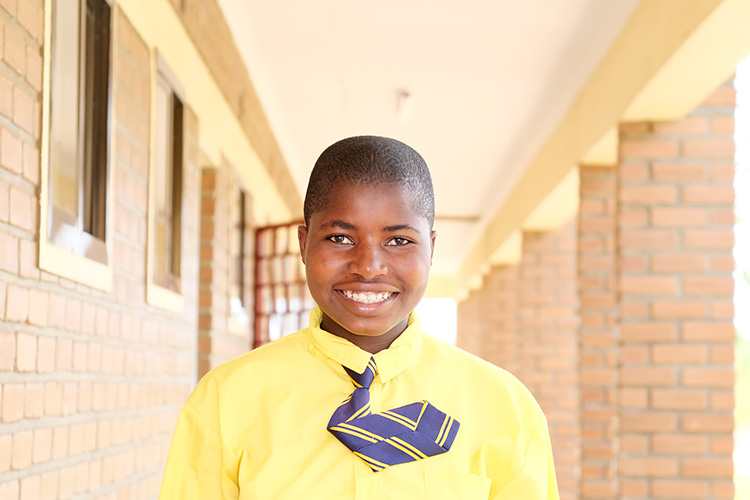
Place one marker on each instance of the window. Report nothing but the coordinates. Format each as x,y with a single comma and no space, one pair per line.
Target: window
76,130
165,218
238,261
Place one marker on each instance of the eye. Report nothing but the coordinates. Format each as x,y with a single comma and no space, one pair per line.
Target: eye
398,241
340,239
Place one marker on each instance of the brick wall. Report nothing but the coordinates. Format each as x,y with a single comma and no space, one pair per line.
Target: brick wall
216,342
598,331
675,285
90,381
524,319
654,345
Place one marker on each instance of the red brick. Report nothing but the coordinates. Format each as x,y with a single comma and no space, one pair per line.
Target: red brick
649,239
708,195
690,125
722,400
647,148
679,444
21,209
716,377
634,355
30,488
648,194
707,467
647,285
14,50
679,489
707,331
22,448
708,240
708,148
17,309
722,124
49,486
679,172
53,398
635,444
722,217
631,217
648,467
707,422
634,172
6,90
648,332
7,351
708,285
30,16
633,488
678,399
678,309
25,352
42,445
5,453
678,217
647,376
679,354
678,263
633,398
23,110
11,151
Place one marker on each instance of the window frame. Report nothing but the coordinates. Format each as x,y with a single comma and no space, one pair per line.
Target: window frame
66,248
165,291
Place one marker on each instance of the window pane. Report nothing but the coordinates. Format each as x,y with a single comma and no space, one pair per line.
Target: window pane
95,137
64,114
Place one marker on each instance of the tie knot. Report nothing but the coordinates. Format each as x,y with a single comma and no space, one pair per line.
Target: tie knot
365,378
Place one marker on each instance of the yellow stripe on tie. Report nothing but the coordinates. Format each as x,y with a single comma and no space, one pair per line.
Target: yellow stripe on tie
354,433
411,447
373,463
424,407
400,419
406,450
447,431
442,429
362,411
365,432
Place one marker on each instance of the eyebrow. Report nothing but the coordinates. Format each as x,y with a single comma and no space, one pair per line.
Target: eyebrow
348,225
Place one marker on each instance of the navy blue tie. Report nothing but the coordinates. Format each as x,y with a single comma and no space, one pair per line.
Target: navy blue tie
412,432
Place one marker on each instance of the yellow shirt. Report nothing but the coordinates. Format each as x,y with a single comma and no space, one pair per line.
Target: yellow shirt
255,427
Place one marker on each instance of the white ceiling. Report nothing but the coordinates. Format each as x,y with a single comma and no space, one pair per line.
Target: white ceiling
488,82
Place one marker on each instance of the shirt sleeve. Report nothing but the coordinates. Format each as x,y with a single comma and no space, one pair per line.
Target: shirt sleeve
197,466
536,479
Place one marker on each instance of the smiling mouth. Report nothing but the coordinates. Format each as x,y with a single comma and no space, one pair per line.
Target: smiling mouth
367,297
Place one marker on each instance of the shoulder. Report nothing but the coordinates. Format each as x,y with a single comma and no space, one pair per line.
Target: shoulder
256,369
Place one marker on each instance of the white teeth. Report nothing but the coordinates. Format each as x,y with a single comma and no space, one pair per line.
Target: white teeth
367,297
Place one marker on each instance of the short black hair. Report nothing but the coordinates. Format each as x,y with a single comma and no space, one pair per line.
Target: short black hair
369,159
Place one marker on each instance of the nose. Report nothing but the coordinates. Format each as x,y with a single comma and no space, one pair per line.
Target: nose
368,260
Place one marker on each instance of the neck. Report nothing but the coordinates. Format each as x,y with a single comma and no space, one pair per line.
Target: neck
369,343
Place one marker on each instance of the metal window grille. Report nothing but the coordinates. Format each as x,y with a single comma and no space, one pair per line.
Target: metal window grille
282,300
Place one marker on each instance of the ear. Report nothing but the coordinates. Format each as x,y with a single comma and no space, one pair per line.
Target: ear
302,236
433,235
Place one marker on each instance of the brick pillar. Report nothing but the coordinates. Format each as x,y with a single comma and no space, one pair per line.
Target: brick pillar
598,331
548,350
216,342
675,284
487,319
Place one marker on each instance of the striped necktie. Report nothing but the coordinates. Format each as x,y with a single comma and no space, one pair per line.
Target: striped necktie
405,434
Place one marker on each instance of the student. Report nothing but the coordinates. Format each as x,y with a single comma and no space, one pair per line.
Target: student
435,423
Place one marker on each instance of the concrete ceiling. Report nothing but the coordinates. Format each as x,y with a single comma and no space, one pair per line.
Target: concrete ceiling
476,87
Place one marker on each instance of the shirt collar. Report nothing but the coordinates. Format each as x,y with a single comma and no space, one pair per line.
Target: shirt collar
390,362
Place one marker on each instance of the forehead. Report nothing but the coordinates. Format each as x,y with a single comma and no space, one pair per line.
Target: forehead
371,201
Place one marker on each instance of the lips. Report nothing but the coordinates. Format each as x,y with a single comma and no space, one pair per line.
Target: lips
367,297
